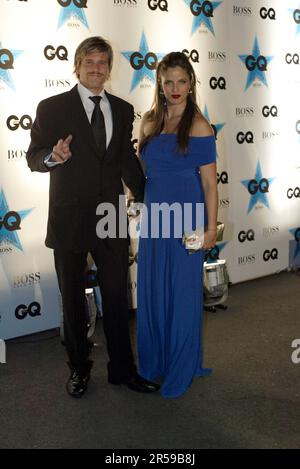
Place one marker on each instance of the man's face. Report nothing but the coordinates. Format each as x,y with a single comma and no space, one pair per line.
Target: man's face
94,71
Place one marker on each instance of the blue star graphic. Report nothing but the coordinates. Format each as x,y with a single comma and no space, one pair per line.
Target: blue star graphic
295,12
217,127
257,73
4,60
297,247
204,16
144,71
214,253
7,236
72,10
259,195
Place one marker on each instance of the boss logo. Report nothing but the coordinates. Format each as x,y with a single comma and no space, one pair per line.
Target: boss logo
205,7
137,116
137,60
270,231
16,154
246,235
161,4
270,111
57,83
13,122
26,279
77,3
60,52
249,259
11,221
252,63
269,135
247,111
224,203
34,309
193,55
247,137
125,2
242,11
6,59
289,58
254,186
296,16
267,255
293,193
216,56
267,13
298,127
215,83
223,177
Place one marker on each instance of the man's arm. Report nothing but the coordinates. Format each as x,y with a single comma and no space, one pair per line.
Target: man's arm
132,172
41,155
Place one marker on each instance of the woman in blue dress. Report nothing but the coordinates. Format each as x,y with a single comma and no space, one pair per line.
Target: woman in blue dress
177,148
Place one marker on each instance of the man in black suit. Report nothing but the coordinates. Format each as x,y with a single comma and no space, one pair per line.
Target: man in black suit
83,137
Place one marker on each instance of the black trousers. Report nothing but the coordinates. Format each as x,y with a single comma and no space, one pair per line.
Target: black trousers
111,259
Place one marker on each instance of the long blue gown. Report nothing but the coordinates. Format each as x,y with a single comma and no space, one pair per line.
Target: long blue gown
169,280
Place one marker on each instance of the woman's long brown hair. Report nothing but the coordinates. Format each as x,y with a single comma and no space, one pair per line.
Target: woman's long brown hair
157,112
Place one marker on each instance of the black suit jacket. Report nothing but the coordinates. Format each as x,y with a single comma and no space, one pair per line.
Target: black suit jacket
85,180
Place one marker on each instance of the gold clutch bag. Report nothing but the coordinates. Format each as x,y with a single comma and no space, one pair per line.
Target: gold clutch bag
193,241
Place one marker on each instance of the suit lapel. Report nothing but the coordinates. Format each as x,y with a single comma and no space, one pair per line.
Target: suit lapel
116,120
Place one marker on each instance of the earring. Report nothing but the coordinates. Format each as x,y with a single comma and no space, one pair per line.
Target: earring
190,91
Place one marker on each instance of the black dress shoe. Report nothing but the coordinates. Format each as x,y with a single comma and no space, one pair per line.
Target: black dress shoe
77,385
137,383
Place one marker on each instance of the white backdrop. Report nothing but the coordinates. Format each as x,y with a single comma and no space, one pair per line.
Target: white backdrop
246,56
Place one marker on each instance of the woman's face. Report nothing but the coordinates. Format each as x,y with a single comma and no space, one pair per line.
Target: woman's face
175,83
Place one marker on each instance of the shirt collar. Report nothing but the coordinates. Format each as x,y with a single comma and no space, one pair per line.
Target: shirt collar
84,94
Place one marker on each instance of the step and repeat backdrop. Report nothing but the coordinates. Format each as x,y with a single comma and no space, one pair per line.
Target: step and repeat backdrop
246,55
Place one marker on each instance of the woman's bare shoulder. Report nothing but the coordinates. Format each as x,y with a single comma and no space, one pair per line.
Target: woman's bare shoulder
201,127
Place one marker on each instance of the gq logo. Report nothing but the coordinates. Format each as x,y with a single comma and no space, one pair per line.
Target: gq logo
247,137
297,235
223,177
296,16
34,309
215,83
270,111
77,3
206,8
293,193
13,122
60,52
161,4
252,63
137,61
6,59
193,55
11,221
289,58
262,186
267,255
246,235
267,13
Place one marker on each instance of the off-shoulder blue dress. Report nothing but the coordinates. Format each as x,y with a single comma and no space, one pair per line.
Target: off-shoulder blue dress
169,280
